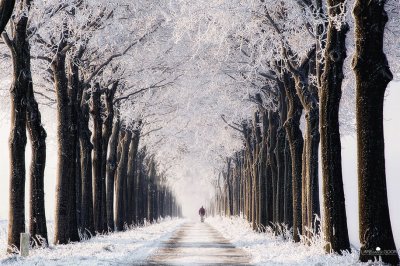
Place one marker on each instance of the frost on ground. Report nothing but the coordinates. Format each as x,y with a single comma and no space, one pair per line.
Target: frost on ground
268,249
122,248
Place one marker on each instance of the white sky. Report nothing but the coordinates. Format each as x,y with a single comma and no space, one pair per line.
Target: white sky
195,194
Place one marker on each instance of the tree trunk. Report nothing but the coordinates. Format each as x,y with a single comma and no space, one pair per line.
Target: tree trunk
111,170
272,134
372,76
295,139
335,221
37,225
96,161
20,51
288,196
106,134
17,141
73,87
121,178
263,173
6,10
86,147
65,152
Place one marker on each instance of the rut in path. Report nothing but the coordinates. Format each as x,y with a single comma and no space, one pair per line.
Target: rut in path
198,244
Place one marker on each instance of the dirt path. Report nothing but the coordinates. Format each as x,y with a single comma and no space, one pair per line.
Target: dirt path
198,244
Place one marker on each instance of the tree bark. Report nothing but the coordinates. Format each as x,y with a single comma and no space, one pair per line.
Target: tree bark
295,139
111,170
17,141
272,134
6,10
65,152
121,178
372,76
73,87
98,187
86,147
106,134
335,221
280,154
309,99
37,221
263,207
288,196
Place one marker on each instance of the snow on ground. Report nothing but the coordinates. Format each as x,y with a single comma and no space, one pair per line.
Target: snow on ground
268,249
121,248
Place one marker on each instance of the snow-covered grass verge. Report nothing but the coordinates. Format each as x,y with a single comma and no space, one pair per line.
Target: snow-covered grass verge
121,248
268,249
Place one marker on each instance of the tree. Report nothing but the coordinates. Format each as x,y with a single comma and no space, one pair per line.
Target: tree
19,47
330,95
372,76
6,9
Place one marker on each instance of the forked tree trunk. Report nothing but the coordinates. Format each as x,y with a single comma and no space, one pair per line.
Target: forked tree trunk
20,51
335,221
295,139
372,76
309,99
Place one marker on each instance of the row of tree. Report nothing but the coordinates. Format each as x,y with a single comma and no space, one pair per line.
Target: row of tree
274,180
105,181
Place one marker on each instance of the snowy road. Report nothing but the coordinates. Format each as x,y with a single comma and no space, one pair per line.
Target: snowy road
198,244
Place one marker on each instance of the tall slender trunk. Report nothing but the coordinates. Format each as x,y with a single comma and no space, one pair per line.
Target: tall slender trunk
98,188
272,134
17,141
121,178
295,139
37,220
280,155
335,221
256,166
73,87
372,76
288,196
106,134
150,192
86,147
111,170
65,153
263,172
